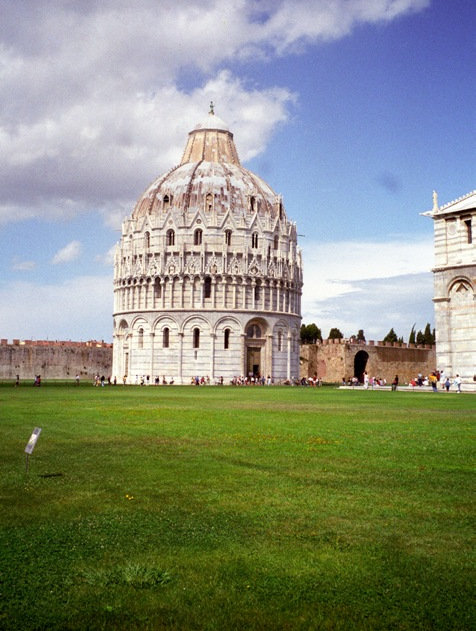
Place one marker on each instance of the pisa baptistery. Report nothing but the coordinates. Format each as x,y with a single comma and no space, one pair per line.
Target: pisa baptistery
207,274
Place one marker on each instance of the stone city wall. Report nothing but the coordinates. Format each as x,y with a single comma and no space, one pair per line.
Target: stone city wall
333,360
53,359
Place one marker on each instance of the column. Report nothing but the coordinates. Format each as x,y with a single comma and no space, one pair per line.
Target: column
269,355
181,284
180,358
234,293
243,354
214,286
212,357
151,370
288,362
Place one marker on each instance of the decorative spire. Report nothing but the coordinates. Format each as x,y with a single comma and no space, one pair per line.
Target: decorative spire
435,201
212,108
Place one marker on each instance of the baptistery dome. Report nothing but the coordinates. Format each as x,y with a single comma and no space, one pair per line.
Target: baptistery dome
207,276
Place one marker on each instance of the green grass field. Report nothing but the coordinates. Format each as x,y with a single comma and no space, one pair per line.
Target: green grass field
236,508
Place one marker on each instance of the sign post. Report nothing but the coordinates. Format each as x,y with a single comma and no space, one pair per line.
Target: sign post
30,446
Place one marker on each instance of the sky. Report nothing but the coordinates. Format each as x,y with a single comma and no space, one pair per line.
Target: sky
353,110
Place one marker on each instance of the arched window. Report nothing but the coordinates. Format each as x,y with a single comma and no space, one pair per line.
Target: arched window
147,240
197,237
469,230
254,240
207,289
276,242
228,237
226,339
158,289
140,342
170,237
208,202
257,292
167,202
253,331
280,340
165,337
196,338
252,204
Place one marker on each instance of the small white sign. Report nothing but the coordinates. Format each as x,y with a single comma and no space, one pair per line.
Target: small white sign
32,442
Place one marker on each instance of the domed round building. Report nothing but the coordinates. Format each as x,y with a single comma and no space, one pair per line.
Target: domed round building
207,274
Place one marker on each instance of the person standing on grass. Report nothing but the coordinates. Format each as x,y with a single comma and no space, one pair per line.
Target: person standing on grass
395,383
457,383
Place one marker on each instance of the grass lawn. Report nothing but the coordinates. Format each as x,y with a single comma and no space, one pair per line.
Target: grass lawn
236,508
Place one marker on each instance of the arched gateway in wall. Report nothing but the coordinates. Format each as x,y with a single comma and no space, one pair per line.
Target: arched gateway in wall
208,274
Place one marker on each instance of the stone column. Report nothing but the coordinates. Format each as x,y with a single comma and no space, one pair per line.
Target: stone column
212,357
214,287
269,355
181,283
243,354
180,358
234,293
288,359
151,371
171,299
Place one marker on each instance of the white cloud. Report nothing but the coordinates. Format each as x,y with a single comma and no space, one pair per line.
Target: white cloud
78,309
67,254
23,266
374,286
107,258
89,96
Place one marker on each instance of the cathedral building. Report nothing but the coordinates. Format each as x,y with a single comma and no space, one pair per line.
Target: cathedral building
208,273
455,285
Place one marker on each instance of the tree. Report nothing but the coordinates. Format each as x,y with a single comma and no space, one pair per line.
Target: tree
335,334
412,338
391,336
310,333
361,335
420,338
428,336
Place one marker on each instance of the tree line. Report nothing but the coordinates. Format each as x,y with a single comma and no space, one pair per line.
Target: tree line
311,333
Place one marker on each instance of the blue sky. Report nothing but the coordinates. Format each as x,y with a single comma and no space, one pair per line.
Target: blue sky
354,110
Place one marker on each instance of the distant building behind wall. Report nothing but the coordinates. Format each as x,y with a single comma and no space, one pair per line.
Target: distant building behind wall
455,286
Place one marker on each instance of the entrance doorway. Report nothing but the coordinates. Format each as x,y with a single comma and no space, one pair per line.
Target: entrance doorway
360,364
253,361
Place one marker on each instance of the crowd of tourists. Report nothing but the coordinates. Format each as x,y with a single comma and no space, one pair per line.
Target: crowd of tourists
435,378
